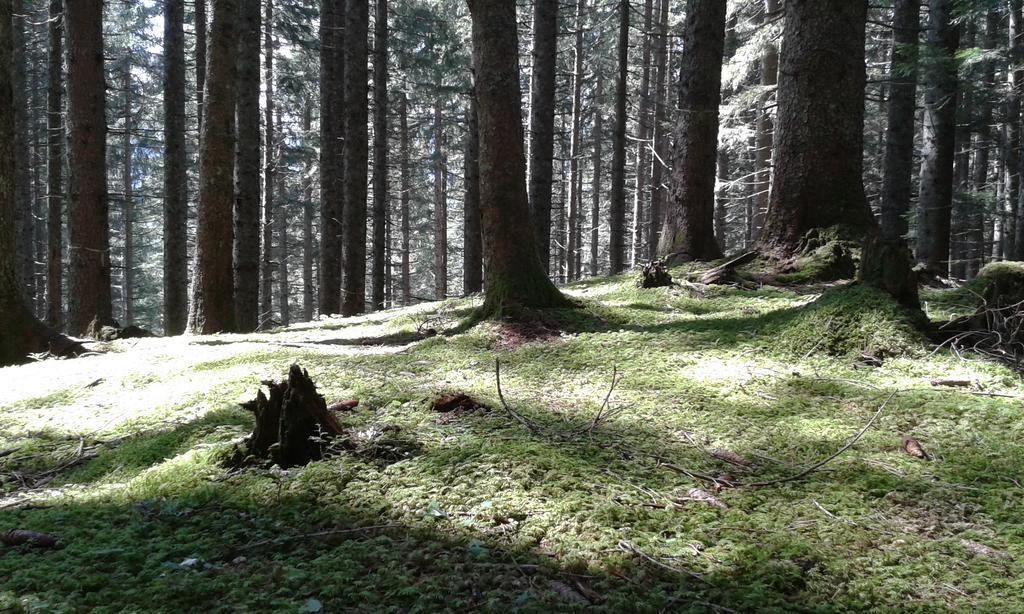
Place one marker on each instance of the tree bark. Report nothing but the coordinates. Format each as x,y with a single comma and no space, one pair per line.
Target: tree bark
643,128
542,121
595,188
281,216
764,127
899,143
403,120
212,304
269,175
722,199
689,229
380,151
307,219
658,189
199,16
55,167
575,181
332,203
247,170
24,220
24,333
515,278
982,148
1012,118
472,265
357,20
617,198
938,141
817,175
89,250
128,204
440,206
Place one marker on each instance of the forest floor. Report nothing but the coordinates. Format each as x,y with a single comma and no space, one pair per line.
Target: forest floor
122,457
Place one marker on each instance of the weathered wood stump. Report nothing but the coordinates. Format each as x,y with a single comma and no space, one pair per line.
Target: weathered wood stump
292,423
654,275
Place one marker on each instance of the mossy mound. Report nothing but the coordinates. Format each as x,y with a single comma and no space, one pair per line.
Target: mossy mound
825,254
849,321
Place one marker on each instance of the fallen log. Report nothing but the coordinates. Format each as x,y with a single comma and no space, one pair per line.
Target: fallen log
726,272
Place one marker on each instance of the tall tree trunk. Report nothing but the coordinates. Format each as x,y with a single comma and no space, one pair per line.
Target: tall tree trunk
55,166
819,155
595,188
357,20
332,199
403,121
212,304
128,210
515,278
542,121
440,205
617,198
982,146
963,201
764,128
689,229
24,334
899,144
269,172
247,170
936,200
1012,118
575,181
658,189
175,171
23,159
307,219
281,229
472,253
643,129
380,150
89,280
201,48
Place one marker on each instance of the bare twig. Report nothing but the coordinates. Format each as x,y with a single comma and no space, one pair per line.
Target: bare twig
625,546
529,424
601,411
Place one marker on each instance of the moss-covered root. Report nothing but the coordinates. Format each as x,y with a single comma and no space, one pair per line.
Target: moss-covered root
516,292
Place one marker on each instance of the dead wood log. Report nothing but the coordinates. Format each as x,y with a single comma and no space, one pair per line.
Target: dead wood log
654,275
726,272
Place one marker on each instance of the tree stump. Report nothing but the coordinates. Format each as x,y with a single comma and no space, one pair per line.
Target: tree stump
654,275
292,424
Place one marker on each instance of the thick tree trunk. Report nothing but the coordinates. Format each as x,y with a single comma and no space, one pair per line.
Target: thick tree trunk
380,151
269,175
24,334
175,172
247,170
617,198
643,124
764,127
89,251
472,264
938,141
403,120
899,143
307,219
817,175
212,304
575,181
658,189
542,121
128,210
332,203
357,22
199,16
689,229
515,277
595,188
440,206
55,165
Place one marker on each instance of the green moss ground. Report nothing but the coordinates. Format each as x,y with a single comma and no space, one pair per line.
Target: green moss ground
485,515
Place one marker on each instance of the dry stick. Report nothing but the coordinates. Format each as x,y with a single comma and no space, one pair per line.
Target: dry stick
604,405
822,462
530,426
628,547
280,540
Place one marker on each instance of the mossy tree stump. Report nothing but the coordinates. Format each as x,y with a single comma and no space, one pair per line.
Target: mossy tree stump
291,423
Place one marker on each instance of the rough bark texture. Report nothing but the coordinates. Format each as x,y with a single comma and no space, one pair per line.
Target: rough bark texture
658,190
89,249
938,141
380,151
899,143
817,175
199,16
357,21
332,13
24,219
473,255
542,121
247,170
212,307
575,176
515,277
617,197
1012,141
23,334
269,177
128,202
403,120
440,206
307,221
689,229
175,172
55,167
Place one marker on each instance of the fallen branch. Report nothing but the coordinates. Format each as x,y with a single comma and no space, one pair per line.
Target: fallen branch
600,412
625,546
